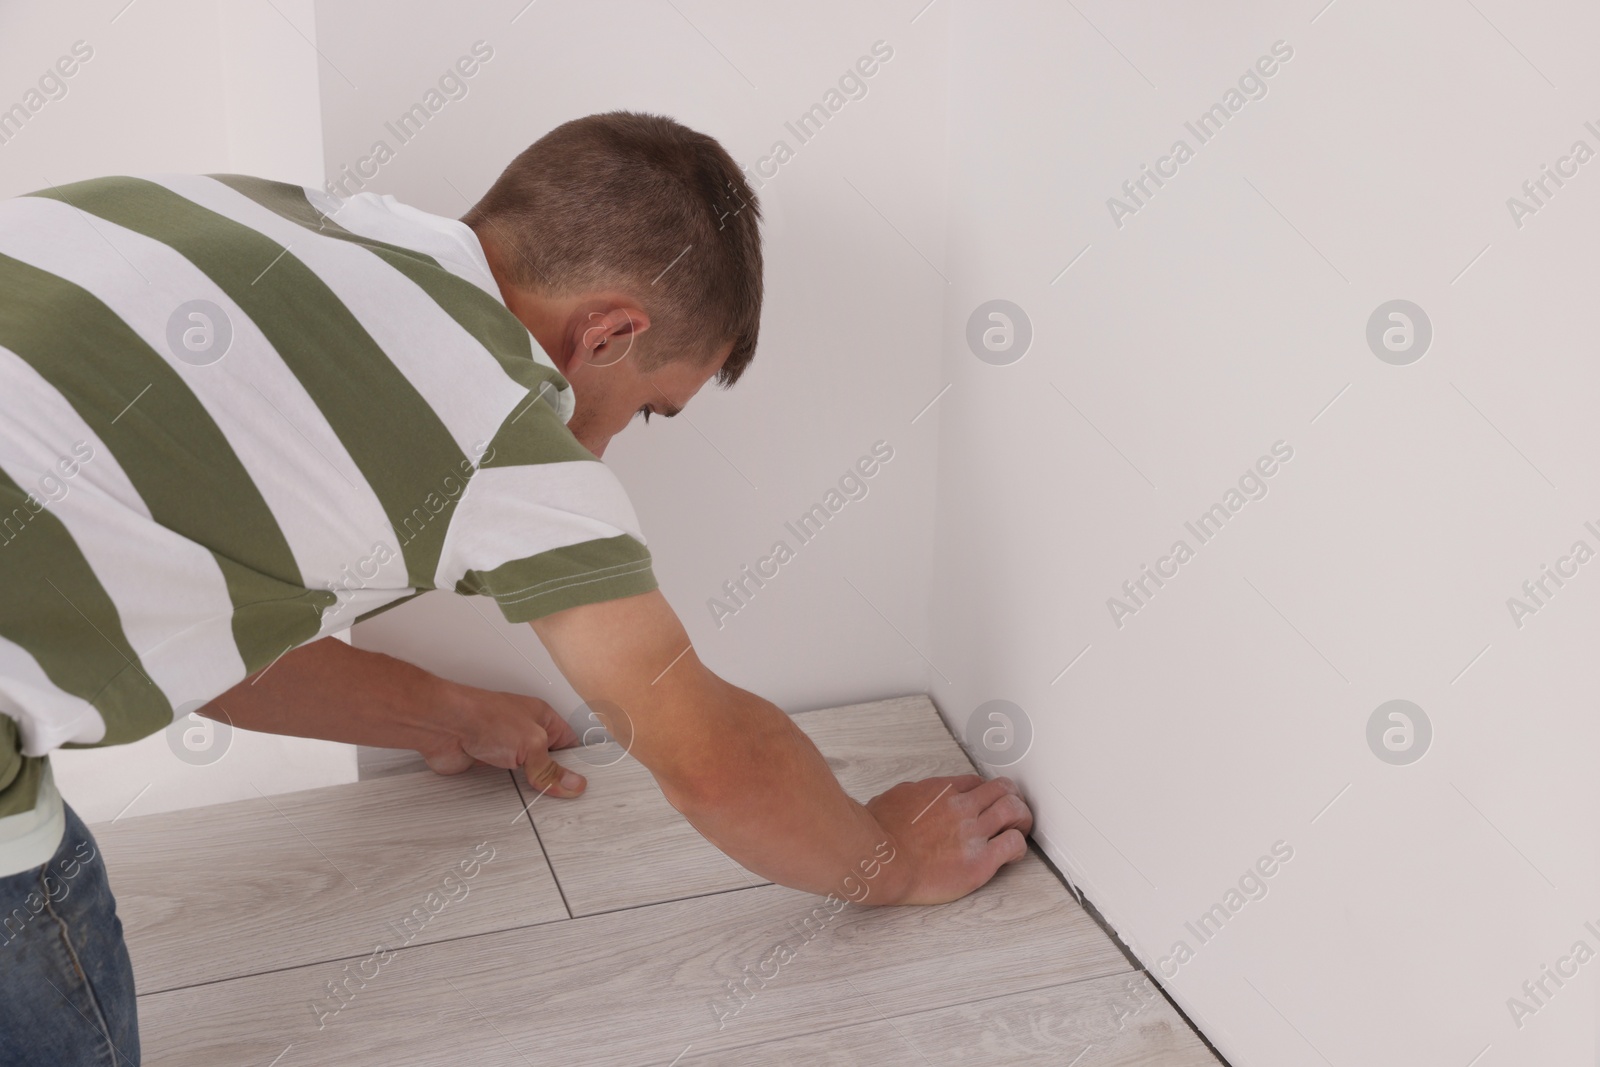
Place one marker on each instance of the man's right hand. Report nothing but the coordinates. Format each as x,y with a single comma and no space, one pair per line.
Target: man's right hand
951,835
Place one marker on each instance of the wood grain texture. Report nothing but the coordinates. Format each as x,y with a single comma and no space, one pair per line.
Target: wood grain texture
621,845
253,944
641,985
240,888
1115,1021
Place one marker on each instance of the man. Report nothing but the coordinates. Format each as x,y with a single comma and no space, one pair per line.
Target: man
240,415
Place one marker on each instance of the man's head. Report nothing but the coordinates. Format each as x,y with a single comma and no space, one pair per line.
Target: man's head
629,246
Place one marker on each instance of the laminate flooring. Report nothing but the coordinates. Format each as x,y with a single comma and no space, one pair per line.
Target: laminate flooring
420,919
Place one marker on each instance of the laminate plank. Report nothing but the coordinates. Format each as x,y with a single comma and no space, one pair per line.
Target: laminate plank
641,985
1114,1021
235,889
621,845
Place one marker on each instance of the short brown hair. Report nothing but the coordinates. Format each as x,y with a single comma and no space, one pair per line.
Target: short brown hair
625,198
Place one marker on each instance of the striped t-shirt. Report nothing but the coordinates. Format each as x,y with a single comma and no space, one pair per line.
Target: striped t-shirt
238,415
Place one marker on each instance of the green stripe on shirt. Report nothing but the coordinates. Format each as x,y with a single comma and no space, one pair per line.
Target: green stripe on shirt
161,436
19,775
386,426
56,609
530,588
489,321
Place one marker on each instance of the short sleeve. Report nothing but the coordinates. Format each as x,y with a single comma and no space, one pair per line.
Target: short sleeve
543,525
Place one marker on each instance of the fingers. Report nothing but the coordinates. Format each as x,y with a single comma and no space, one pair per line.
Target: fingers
559,732
544,773
987,792
998,806
547,776
1007,813
1007,848
451,761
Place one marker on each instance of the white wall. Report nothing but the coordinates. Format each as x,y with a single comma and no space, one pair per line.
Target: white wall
179,85
850,334
1230,712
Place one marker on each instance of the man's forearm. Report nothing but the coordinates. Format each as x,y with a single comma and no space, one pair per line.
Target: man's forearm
734,764
753,784
334,691
765,796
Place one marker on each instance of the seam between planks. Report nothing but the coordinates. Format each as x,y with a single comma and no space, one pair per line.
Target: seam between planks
527,813
342,959
678,900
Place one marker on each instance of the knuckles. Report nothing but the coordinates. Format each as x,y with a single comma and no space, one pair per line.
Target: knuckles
1015,807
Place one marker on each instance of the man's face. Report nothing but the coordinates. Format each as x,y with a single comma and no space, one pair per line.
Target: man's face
590,337
610,390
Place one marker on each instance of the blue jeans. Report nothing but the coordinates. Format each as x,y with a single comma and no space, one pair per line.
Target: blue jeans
66,984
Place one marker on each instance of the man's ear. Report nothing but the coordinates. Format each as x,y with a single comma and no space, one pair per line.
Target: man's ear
608,334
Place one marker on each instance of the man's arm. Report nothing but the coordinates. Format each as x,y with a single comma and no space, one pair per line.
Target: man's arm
753,783
333,691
